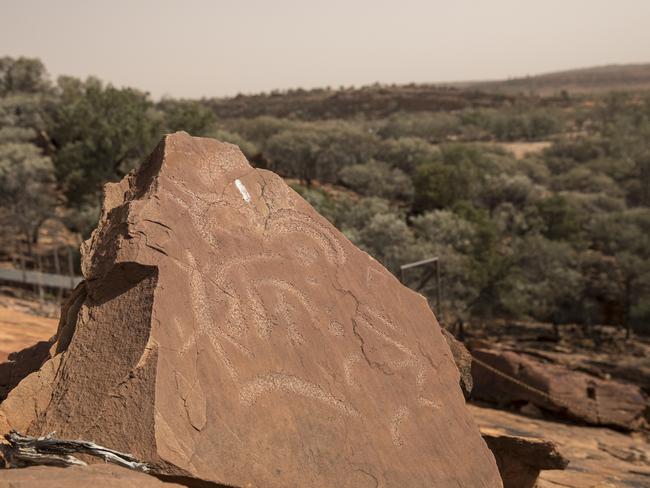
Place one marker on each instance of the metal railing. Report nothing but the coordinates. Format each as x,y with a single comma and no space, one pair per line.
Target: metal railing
38,278
52,269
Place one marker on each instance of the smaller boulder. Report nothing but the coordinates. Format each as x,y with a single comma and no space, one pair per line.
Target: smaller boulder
520,459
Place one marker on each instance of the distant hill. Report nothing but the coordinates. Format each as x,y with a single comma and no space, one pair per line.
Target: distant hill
377,101
372,101
615,77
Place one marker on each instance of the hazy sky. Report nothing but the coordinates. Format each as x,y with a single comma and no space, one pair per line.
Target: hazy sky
199,48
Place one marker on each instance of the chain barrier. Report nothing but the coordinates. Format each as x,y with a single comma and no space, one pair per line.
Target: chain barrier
518,382
554,400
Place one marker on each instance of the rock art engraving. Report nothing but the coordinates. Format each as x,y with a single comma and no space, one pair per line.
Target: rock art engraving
268,350
291,384
350,361
336,328
288,221
400,416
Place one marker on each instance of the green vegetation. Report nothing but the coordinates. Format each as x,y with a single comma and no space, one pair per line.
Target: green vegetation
561,235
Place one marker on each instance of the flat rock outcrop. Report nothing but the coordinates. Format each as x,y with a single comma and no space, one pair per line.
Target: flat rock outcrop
228,333
577,395
97,476
598,456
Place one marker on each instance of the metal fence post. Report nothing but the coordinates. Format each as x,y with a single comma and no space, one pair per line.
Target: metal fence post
435,262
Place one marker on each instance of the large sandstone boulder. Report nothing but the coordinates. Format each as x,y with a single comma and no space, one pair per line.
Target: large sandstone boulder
229,333
556,388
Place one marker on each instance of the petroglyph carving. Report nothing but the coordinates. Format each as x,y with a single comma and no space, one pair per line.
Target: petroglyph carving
254,344
400,416
286,221
291,384
350,361
336,328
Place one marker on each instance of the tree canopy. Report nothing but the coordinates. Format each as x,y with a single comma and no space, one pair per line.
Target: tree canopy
560,234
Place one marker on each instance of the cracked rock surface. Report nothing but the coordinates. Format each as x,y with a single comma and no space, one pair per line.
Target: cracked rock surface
227,332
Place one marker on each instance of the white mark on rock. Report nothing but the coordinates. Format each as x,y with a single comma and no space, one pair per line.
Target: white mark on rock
242,189
284,383
401,415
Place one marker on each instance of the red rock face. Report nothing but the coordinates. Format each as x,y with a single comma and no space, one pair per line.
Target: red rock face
574,394
230,333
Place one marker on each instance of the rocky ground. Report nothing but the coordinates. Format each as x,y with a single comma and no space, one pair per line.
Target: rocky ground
602,351
599,457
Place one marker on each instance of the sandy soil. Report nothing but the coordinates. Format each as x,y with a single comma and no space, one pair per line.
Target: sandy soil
522,149
20,327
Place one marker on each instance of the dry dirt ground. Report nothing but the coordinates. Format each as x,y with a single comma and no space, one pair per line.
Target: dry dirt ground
522,149
599,457
20,327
